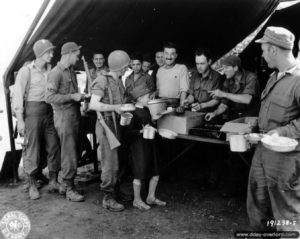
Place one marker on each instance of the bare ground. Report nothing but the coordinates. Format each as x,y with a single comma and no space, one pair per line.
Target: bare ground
190,213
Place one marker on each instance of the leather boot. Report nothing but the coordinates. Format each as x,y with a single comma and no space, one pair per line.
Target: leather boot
111,204
53,185
71,193
33,191
42,178
62,188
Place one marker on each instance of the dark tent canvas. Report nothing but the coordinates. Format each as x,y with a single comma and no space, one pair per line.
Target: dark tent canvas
143,25
146,24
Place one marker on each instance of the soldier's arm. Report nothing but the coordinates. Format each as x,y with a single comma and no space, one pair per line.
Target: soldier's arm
97,105
19,91
98,93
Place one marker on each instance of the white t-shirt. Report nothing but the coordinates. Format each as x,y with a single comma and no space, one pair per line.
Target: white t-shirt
171,82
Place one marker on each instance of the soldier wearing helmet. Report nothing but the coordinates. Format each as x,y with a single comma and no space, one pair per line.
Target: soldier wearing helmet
35,118
107,97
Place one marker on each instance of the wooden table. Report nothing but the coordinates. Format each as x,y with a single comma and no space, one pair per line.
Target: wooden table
194,140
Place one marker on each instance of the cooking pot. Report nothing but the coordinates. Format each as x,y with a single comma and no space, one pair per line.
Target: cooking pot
156,106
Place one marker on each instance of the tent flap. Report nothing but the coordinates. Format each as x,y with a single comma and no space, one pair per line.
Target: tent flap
144,25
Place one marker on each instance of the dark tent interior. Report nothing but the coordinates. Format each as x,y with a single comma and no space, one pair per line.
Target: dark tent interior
145,25
251,56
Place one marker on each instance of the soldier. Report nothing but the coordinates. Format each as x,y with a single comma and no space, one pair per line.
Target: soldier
137,77
172,78
35,118
160,61
107,97
204,80
99,67
62,93
240,93
273,188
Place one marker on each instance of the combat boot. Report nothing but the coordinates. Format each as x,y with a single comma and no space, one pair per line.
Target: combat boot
111,204
71,193
42,178
62,188
33,191
53,185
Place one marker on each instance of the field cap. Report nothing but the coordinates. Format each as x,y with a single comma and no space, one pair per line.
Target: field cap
278,36
117,60
41,46
232,60
69,47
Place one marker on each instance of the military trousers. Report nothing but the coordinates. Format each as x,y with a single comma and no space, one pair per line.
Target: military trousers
273,200
109,158
67,125
39,133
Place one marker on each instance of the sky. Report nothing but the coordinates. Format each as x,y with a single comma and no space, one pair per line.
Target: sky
15,19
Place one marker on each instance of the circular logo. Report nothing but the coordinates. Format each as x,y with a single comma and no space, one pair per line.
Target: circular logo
15,225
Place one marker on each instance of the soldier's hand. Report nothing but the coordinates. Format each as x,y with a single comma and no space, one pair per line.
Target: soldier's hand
189,100
273,133
216,94
77,97
21,127
209,116
180,110
196,106
117,109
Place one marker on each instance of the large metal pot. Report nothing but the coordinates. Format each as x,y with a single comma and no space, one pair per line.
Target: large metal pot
156,106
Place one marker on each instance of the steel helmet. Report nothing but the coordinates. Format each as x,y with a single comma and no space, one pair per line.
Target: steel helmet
117,60
40,47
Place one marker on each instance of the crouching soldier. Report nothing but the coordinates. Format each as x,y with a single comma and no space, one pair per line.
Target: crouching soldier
107,97
62,93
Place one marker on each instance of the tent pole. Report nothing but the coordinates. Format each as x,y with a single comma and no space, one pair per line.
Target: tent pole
7,79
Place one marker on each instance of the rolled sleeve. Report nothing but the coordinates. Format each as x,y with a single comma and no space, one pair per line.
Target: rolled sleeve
19,89
52,90
98,86
184,80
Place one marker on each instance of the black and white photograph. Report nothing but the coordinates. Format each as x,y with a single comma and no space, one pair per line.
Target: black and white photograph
149,119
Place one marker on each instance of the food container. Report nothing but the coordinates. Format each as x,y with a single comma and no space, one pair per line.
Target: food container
237,143
149,132
127,107
279,144
169,134
157,106
181,124
243,125
126,118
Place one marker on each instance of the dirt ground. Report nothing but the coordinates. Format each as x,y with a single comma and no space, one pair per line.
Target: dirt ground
190,213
